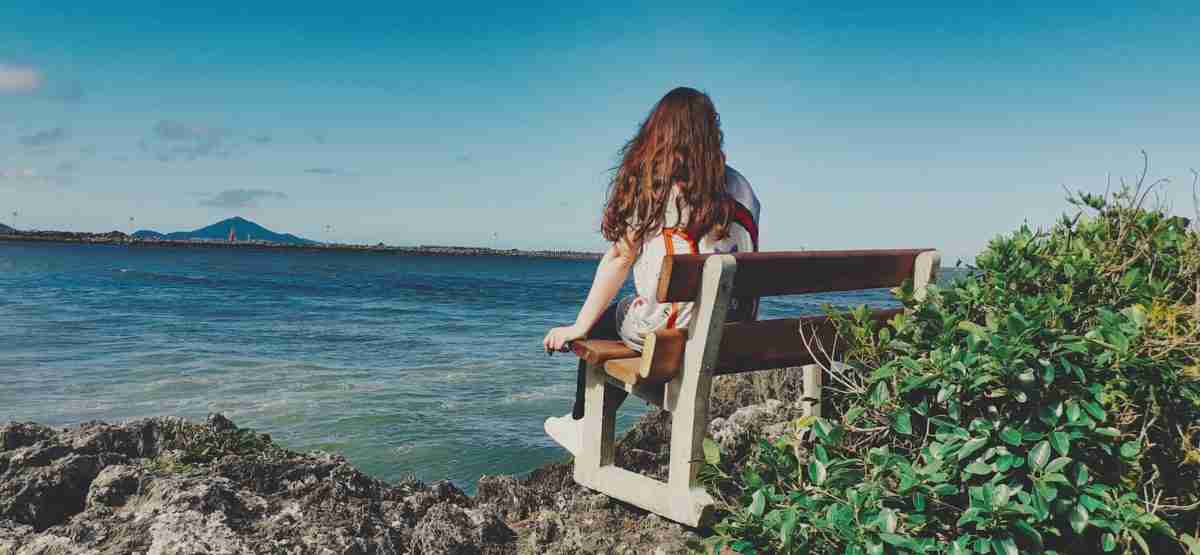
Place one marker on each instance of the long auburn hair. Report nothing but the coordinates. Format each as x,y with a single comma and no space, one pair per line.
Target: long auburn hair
678,142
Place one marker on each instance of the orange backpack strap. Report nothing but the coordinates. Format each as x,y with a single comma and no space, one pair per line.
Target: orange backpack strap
669,241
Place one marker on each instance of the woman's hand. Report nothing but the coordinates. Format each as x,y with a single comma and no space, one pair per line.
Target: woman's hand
557,337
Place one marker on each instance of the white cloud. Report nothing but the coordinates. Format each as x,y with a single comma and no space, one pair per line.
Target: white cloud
241,198
17,79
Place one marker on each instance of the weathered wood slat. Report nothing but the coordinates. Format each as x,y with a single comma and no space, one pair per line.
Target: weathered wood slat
599,351
765,274
624,369
745,347
751,346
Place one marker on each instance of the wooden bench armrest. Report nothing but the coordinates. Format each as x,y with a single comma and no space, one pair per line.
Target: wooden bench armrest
659,361
599,351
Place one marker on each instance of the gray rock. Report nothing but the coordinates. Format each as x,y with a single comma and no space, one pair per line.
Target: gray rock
113,485
167,486
735,433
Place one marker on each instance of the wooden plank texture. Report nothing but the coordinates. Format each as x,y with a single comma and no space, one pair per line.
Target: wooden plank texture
769,344
765,274
745,347
599,351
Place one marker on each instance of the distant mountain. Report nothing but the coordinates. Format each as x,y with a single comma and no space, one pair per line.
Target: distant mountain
242,228
6,229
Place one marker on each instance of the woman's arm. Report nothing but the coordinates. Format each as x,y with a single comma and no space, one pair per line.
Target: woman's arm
610,276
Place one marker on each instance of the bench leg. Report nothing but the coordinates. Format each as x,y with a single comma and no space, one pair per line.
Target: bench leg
599,421
690,501
682,498
810,396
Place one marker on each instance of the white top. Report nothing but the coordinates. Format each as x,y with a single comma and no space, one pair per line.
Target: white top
645,314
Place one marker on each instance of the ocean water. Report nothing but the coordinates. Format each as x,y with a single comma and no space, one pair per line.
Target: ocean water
409,365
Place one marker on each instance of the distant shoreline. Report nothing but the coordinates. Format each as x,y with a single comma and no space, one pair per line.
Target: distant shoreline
118,238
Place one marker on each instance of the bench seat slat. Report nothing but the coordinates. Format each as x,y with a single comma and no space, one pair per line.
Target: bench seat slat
624,369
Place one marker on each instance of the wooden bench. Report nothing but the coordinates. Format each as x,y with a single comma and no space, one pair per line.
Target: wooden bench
676,366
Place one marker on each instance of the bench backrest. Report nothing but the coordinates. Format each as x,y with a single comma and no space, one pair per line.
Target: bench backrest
767,274
779,343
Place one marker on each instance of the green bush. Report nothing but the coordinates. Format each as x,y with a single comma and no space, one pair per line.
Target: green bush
1046,402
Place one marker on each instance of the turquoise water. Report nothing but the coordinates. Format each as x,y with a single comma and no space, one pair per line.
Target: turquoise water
409,365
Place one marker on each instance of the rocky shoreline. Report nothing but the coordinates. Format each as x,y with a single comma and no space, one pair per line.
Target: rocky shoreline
168,486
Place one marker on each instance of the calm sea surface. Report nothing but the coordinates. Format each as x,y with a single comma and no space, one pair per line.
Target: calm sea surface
430,366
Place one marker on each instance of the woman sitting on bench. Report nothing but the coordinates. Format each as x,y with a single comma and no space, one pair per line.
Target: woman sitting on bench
672,193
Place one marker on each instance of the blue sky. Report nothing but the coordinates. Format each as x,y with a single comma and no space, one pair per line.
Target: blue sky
450,122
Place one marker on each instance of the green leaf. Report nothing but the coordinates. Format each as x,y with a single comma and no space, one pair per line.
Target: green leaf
1090,503
712,452
1108,432
1055,478
979,468
1140,541
1061,441
1130,449
976,331
1108,542
945,489
804,422
1073,412
1011,436
887,520
1136,314
821,454
1095,410
853,414
1130,276
1057,464
758,502
1004,545
971,446
903,424
1081,475
1046,491
1039,455
1050,414
879,393
968,516
817,472
1048,374
1193,543
790,517
1079,518
1030,532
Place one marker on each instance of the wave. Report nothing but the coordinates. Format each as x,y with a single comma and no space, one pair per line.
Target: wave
166,277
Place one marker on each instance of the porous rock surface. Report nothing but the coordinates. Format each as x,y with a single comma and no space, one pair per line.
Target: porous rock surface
163,486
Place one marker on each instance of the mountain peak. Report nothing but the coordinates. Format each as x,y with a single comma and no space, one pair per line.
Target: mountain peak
242,228
235,220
